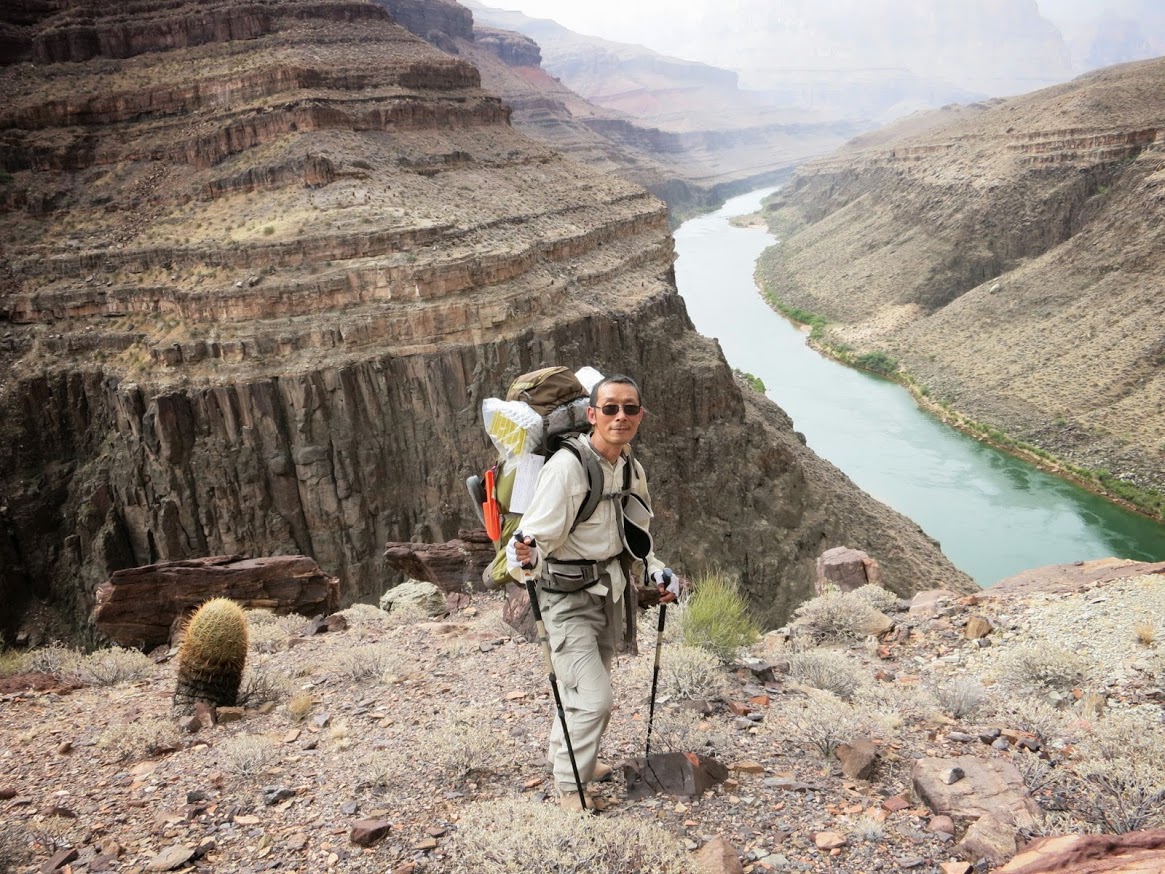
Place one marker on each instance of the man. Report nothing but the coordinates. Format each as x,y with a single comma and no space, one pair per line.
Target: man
588,602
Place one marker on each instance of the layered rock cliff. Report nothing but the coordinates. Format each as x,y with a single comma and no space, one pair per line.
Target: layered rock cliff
1010,256
651,111
264,261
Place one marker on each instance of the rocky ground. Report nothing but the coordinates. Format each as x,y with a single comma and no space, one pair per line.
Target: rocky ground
384,744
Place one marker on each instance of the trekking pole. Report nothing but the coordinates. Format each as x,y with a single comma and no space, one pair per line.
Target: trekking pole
544,639
667,575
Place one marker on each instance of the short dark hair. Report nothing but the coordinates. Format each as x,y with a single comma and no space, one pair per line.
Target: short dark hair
618,379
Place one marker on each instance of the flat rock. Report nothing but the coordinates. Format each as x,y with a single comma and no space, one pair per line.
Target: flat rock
366,832
992,786
170,858
1140,852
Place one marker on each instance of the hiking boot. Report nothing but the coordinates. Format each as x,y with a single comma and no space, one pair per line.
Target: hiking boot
603,773
570,801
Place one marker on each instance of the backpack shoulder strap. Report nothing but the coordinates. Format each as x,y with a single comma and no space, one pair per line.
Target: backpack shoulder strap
594,481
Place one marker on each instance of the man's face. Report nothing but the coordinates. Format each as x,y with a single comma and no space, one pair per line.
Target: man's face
616,429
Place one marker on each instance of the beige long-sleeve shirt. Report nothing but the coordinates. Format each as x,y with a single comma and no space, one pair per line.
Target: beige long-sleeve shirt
559,493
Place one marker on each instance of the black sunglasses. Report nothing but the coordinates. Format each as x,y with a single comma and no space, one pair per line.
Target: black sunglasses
613,409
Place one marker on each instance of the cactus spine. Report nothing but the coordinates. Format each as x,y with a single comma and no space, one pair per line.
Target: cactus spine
213,654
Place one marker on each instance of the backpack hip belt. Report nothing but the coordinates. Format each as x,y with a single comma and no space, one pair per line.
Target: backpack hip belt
566,577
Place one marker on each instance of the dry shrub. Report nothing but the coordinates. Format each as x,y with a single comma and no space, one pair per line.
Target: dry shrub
267,637
1037,717
15,849
834,618
515,835
465,742
245,754
892,706
690,672
112,666
139,739
406,614
826,669
261,683
882,600
1042,667
379,661
380,770
339,736
821,722
1117,780
364,614
52,659
683,730
962,697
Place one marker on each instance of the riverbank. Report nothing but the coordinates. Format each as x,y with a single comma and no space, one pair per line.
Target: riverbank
1147,502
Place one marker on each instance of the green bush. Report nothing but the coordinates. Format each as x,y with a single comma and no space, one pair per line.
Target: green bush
754,382
716,618
877,362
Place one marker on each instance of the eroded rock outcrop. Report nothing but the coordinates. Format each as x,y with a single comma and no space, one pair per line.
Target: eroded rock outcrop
260,318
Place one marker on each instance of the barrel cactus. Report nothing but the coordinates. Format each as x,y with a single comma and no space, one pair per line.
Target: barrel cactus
213,654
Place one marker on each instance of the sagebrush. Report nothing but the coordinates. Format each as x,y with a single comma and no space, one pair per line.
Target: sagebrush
826,669
516,835
836,617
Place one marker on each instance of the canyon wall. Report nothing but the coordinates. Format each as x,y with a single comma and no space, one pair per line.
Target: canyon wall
256,288
1009,254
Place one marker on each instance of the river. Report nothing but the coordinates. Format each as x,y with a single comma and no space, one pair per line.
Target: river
993,514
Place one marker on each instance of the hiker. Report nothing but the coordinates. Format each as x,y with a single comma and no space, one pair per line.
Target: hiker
585,575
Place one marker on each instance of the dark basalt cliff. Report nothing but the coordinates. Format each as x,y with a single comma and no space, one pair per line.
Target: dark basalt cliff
1011,255
258,277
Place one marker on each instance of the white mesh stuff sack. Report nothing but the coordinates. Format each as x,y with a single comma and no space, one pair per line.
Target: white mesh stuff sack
513,426
588,376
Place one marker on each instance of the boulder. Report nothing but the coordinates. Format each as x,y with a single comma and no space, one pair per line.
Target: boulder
717,857
846,568
415,594
989,838
138,606
1132,853
858,758
454,566
672,774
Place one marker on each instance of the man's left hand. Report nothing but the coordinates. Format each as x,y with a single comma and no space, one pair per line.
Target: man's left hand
668,584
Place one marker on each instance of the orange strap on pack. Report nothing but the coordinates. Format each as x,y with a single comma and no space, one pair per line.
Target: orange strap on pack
490,509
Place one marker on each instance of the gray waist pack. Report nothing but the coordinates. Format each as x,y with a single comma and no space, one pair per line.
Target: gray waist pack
564,577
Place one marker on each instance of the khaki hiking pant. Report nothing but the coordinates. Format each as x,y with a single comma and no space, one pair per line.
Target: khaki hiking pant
581,628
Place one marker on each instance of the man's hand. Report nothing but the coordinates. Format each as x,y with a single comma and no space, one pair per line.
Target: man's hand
521,552
668,584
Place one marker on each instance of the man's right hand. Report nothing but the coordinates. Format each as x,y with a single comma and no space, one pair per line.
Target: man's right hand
522,551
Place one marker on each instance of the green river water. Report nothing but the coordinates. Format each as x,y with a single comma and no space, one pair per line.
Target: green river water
993,514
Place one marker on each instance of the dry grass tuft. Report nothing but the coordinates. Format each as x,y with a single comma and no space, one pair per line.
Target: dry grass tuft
1145,632
139,739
